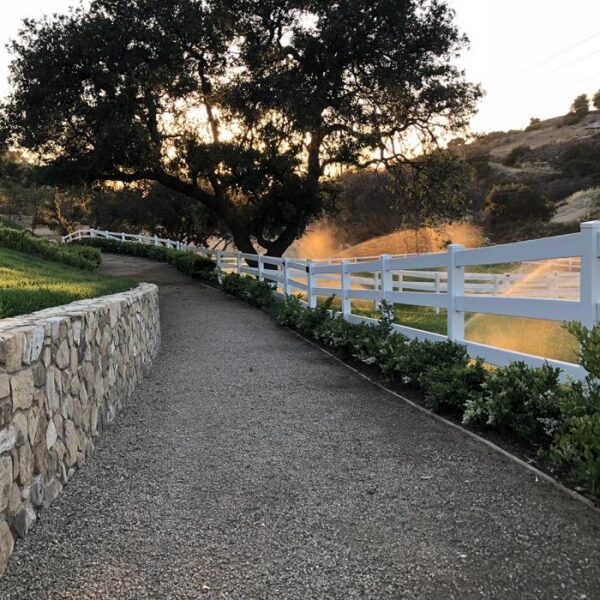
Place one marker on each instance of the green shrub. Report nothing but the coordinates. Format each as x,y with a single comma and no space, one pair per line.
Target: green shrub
520,399
195,265
515,203
4,222
534,124
255,292
158,253
192,264
576,444
24,241
420,356
516,155
581,160
289,312
450,388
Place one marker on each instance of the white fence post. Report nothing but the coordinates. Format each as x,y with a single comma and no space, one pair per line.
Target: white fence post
456,287
239,262
437,279
386,277
286,281
312,299
590,273
219,271
92,233
346,286
261,268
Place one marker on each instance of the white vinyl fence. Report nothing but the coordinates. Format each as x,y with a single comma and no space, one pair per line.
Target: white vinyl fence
550,290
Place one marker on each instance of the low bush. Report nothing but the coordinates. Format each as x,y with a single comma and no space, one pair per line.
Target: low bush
158,253
255,292
199,267
192,264
4,222
74,256
516,155
451,388
534,124
576,443
515,203
519,399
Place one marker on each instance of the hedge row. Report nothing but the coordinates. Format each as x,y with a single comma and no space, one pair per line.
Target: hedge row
75,256
561,421
198,267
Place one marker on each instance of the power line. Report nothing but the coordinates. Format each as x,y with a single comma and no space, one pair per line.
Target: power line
570,85
572,63
549,58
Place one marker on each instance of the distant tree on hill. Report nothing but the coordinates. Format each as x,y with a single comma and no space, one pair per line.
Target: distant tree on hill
581,105
516,155
579,109
534,123
515,203
596,100
581,160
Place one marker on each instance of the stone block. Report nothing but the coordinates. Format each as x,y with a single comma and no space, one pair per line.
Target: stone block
11,351
63,355
23,521
21,385
52,491
25,464
5,412
4,385
8,439
7,544
51,435
36,492
6,480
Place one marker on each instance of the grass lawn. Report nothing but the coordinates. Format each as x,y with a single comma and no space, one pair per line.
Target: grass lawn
29,283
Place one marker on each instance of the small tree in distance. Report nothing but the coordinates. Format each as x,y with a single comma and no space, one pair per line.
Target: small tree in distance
596,100
581,105
515,203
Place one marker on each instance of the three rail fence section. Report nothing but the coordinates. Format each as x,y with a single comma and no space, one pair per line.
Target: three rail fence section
557,279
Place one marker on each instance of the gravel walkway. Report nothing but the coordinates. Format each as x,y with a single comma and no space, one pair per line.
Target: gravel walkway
251,465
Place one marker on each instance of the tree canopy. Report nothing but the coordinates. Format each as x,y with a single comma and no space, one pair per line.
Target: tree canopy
581,105
240,105
515,203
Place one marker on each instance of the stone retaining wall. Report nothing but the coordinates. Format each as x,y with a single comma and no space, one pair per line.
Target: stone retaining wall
64,374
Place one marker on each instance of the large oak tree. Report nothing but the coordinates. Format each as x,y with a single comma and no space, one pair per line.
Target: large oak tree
241,105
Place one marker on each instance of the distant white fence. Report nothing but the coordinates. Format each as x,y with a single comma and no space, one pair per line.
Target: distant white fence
439,280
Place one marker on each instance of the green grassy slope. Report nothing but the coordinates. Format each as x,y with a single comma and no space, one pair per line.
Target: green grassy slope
29,283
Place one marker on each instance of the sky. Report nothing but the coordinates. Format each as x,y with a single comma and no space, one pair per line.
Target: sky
532,57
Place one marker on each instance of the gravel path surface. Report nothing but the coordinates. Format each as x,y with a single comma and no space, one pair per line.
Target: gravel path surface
251,465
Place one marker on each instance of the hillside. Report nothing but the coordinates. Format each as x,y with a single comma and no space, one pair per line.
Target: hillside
550,132
551,156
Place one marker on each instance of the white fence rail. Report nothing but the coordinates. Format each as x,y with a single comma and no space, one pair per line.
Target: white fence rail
550,290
